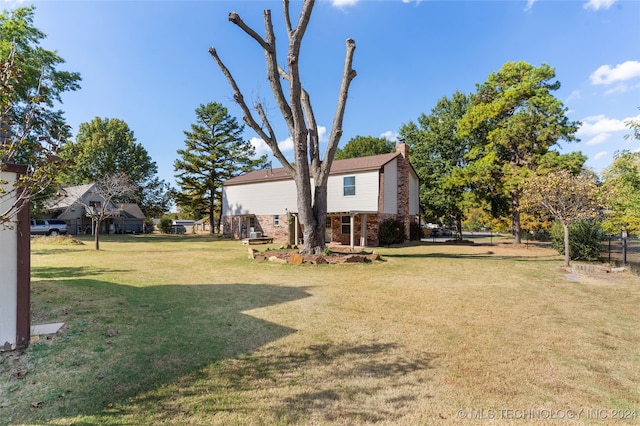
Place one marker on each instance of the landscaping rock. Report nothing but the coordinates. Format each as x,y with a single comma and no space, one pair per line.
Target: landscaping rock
260,257
320,260
296,259
277,259
374,256
252,253
355,258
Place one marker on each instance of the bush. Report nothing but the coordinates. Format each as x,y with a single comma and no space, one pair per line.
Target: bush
415,231
391,232
584,239
165,225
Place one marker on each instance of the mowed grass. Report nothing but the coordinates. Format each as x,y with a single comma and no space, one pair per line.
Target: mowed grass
188,330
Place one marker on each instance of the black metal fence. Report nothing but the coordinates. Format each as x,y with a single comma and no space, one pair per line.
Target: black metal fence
613,252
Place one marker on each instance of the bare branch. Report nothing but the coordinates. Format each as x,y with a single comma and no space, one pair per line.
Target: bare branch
336,129
313,138
272,72
235,18
269,139
287,17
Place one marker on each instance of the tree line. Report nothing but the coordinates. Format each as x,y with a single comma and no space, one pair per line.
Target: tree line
484,159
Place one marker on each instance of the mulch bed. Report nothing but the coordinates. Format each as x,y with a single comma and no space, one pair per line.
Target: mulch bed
334,256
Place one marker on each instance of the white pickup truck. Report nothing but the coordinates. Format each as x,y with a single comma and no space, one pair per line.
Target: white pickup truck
48,227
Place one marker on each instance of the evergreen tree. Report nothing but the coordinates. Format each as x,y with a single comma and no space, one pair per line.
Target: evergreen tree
519,119
214,152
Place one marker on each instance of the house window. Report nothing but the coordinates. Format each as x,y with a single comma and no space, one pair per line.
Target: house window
252,222
276,220
349,185
346,225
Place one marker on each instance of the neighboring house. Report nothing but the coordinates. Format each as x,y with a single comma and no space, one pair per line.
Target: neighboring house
361,193
68,205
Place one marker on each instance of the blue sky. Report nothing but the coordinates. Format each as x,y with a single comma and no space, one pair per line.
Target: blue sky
147,62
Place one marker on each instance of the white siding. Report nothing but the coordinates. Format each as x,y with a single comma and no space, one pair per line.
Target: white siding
390,188
9,268
261,198
414,194
269,198
366,198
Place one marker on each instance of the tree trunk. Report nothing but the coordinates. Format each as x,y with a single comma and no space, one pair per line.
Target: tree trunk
212,216
567,248
515,216
458,226
96,235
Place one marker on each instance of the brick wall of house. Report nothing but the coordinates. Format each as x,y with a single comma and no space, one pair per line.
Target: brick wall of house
403,186
266,225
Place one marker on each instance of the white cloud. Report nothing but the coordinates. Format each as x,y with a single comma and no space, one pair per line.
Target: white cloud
599,124
600,155
286,145
343,3
322,134
260,146
599,4
529,5
598,139
390,135
574,95
621,72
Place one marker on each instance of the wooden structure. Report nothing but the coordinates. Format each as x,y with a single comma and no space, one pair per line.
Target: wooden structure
15,285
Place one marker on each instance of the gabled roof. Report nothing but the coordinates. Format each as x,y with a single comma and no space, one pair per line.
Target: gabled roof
350,165
131,211
68,196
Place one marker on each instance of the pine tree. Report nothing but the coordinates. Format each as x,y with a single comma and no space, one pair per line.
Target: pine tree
214,152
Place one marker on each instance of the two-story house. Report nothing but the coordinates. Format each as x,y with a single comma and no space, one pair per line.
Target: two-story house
70,205
361,193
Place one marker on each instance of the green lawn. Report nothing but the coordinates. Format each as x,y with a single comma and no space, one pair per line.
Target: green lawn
188,330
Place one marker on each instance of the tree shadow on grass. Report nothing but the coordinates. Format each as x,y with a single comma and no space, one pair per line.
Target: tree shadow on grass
488,255
343,383
45,272
120,342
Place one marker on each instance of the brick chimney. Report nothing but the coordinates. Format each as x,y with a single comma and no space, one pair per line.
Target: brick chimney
403,149
403,186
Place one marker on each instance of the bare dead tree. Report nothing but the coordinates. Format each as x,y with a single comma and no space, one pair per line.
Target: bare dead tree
108,190
298,115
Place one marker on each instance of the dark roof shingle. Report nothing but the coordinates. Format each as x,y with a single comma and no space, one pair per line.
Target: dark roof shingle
350,165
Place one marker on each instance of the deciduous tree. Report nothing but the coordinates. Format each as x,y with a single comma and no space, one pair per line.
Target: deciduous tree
111,189
567,197
215,151
31,130
437,152
621,191
298,114
363,146
107,146
516,114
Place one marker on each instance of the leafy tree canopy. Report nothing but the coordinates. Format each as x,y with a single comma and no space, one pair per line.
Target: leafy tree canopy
363,146
622,193
30,85
106,146
519,119
437,151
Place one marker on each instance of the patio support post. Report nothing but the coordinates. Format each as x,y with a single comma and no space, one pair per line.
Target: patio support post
363,230
352,236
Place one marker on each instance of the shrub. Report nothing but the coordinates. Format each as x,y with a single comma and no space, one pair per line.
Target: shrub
164,225
584,239
415,231
391,232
